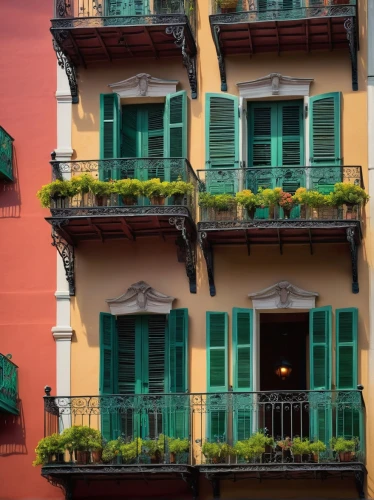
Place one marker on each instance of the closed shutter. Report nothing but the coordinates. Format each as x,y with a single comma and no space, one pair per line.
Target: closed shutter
320,373
109,132
127,7
178,372
108,372
222,140
217,376
176,125
347,414
127,376
154,353
153,141
290,127
129,142
242,372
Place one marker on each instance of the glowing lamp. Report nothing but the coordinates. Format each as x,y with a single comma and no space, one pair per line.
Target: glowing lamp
283,369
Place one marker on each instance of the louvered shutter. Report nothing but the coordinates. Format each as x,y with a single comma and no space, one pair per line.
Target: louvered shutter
178,371
324,129
129,139
242,371
176,125
127,8
154,130
222,140
127,376
290,136
320,373
154,352
347,414
109,132
108,372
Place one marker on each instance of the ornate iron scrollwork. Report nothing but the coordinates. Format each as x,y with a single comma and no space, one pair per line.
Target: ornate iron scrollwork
208,256
350,27
221,60
189,60
65,63
353,248
66,252
190,254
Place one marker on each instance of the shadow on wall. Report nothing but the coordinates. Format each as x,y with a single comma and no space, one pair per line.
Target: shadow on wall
13,434
10,194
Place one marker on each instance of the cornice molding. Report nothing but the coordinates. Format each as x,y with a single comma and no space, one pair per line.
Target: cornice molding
283,295
274,85
144,85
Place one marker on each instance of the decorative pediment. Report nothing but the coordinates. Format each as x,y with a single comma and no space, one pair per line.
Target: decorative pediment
141,298
283,295
144,85
274,85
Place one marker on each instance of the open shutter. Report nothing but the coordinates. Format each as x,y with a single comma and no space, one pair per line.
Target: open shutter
129,136
176,125
347,413
109,132
108,372
217,376
325,129
320,373
222,140
242,372
178,371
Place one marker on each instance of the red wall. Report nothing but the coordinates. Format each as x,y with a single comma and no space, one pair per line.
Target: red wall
28,261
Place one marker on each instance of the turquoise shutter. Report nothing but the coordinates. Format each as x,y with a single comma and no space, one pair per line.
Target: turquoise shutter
178,372
217,376
109,131
324,130
290,136
176,125
347,415
222,140
130,136
108,371
128,8
320,373
242,371
153,129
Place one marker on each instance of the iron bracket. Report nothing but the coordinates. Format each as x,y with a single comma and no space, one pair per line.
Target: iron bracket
221,61
351,29
189,60
64,62
353,248
188,250
193,483
66,251
207,250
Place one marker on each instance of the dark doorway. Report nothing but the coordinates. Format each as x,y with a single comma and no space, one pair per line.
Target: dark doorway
285,408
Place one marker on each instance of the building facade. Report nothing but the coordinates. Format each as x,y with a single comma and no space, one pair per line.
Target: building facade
27,350
192,317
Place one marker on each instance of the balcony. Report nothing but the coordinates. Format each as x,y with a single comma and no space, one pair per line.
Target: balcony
86,217
8,385
306,225
258,26
221,418
6,155
87,32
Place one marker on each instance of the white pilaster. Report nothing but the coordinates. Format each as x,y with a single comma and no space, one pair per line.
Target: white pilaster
64,114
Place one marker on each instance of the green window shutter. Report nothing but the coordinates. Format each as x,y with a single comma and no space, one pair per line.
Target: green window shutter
153,131
176,125
217,336
109,132
154,351
127,376
346,348
290,136
108,369
320,373
263,135
129,136
324,126
128,8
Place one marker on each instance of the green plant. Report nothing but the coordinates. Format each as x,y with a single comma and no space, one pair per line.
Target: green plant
285,444
47,447
177,445
341,445
128,188
254,446
82,438
180,187
153,447
154,188
317,447
101,188
315,199
350,194
247,199
129,451
300,446
111,450
81,183
216,451
269,197
55,189
220,202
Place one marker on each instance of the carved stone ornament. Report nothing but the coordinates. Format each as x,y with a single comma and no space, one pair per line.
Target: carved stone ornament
141,298
274,84
283,295
144,85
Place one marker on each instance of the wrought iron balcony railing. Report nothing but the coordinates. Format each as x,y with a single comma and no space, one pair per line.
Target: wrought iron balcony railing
165,169
8,385
314,178
6,155
285,10
219,418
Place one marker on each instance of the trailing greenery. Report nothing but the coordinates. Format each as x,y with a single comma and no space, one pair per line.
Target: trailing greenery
300,446
47,447
56,189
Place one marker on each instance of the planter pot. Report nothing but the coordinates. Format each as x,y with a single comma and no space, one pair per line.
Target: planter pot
228,5
302,211
297,459
156,458
345,457
315,457
96,456
351,212
218,460
251,213
271,212
178,199
83,457
101,201
157,200
59,201
130,200
268,449
179,458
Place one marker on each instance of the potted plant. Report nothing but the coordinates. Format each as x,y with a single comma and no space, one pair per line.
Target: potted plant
351,196
130,451
286,202
249,201
95,445
155,449
128,190
179,449
269,198
227,5
300,198
111,451
254,447
285,446
316,448
300,449
155,190
55,192
48,448
315,201
179,189
344,448
220,206
81,439
102,191
216,452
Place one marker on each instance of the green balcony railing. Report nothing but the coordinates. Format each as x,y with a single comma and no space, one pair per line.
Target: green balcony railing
8,385
6,155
